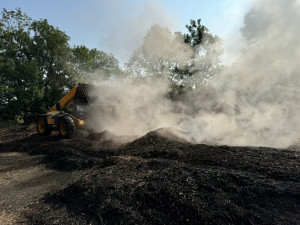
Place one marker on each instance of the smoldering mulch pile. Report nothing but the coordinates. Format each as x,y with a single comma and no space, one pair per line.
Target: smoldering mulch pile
162,179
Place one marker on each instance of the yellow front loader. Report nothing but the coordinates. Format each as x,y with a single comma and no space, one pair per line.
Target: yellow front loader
68,114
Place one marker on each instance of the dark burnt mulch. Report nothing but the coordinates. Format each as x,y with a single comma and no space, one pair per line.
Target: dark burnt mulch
161,179
60,154
157,191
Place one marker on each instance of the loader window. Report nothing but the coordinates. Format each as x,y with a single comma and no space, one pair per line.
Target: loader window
77,110
82,110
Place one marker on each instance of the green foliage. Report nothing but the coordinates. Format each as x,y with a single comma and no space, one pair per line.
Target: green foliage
37,65
51,50
205,62
89,63
18,70
196,33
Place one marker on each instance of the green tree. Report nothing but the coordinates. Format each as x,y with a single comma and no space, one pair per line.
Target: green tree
91,65
37,65
185,59
51,50
207,49
19,74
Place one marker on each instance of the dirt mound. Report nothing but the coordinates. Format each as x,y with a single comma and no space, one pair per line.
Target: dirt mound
155,144
161,178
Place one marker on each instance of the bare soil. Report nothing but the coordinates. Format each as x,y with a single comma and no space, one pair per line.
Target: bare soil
155,179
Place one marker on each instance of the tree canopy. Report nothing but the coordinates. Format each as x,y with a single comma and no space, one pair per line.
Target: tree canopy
86,62
184,59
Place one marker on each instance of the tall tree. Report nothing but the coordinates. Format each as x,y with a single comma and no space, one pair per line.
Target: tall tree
51,50
185,59
19,74
91,65
207,49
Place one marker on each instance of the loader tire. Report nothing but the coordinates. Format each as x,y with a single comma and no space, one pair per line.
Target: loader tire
66,127
42,126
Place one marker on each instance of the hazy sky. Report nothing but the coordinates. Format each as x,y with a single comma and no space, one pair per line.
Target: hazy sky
118,26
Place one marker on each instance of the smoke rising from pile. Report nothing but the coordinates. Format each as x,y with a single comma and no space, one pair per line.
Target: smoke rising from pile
253,102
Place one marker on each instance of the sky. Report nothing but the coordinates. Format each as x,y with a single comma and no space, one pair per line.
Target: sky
118,26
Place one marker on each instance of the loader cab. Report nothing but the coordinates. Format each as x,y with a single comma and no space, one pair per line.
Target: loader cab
82,100
79,111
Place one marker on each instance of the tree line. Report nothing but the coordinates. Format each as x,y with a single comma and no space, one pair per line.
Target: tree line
38,65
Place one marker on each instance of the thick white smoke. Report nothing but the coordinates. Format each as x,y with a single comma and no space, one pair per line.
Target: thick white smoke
253,102
263,83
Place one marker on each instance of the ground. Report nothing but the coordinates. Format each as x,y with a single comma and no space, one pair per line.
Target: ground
158,178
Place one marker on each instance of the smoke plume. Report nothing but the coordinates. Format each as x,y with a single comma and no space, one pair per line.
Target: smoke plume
255,101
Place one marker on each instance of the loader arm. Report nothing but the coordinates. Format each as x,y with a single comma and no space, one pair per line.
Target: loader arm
66,99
